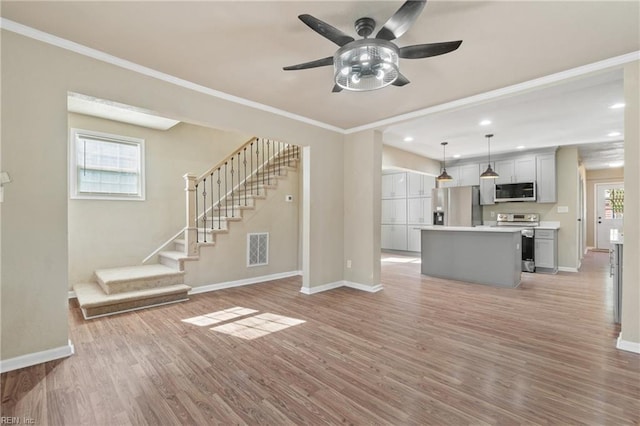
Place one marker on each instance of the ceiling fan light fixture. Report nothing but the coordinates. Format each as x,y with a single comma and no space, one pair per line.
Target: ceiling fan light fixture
370,63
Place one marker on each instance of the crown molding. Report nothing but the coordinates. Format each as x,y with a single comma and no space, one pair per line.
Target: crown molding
53,40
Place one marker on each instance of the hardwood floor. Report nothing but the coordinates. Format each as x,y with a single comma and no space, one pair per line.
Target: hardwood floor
422,351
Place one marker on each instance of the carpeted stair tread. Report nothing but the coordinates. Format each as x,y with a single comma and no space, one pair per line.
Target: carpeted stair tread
128,273
177,255
91,295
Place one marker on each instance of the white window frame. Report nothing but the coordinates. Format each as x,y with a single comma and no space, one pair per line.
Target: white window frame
75,134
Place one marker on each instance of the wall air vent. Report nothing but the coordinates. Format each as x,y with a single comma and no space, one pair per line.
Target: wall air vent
258,249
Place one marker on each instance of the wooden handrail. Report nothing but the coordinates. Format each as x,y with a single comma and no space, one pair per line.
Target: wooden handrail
226,159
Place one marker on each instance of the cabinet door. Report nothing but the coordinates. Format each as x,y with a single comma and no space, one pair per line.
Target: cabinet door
387,186
454,172
419,210
506,170
544,253
388,211
399,210
525,169
386,236
399,185
399,237
416,185
429,183
469,174
487,187
546,178
413,239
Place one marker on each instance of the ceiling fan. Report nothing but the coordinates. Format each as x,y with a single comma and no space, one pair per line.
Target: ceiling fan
372,63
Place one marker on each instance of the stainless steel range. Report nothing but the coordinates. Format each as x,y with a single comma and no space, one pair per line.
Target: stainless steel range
528,221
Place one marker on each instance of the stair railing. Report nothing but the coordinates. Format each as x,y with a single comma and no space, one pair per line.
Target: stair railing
222,190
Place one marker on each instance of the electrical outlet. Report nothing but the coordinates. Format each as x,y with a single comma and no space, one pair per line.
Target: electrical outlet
349,263
493,214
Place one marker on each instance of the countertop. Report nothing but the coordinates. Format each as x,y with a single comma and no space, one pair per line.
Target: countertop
616,237
472,228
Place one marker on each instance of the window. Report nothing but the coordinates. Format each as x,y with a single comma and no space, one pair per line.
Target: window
106,166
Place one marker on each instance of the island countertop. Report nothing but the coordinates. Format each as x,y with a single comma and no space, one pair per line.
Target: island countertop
482,255
509,229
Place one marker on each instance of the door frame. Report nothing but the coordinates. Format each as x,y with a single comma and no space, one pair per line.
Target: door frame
595,208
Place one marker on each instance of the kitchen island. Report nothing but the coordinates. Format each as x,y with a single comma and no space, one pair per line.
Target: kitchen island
482,255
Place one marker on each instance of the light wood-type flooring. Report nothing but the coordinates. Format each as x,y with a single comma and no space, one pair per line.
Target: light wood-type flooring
422,351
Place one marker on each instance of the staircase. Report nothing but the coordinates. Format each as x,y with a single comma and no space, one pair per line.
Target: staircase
215,200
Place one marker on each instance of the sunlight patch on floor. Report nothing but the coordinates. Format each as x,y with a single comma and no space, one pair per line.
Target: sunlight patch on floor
257,326
220,316
245,328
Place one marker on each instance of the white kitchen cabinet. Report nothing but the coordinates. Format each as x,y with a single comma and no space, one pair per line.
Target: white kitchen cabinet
487,187
546,178
420,185
516,170
506,171
394,185
393,237
414,239
546,250
525,169
394,211
419,211
469,174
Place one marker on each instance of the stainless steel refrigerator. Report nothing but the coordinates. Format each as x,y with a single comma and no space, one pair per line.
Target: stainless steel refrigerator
456,206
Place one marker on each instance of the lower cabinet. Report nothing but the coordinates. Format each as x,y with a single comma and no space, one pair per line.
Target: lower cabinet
546,250
393,237
413,239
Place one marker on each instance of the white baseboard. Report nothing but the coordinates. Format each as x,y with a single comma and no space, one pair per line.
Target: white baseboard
567,269
627,346
338,284
239,283
321,288
35,358
363,287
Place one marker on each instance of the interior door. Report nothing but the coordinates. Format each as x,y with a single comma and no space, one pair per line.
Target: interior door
609,212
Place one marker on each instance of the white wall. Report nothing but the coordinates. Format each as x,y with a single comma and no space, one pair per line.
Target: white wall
110,233
35,80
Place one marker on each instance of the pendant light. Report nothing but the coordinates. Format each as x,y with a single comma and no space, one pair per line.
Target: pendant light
489,173
444,176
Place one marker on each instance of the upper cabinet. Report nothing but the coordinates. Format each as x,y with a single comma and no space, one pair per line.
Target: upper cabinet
469,174
516,170
487,187
454,172
420,185
546,178
394,185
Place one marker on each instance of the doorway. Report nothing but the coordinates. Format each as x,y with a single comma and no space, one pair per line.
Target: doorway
609,212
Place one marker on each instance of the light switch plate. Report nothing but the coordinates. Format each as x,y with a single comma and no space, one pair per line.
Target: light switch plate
563,209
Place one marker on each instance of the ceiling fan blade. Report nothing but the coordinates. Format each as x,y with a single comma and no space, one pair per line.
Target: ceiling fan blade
313,64
326,30
336,89
402,20
401,80
418,51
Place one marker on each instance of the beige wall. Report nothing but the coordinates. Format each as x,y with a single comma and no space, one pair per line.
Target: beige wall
106,234
362,207
567,180
594,177
394,158
35,80
631,275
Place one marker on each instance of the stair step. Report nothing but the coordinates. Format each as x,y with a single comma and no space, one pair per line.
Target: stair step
143,277
95,303
175,259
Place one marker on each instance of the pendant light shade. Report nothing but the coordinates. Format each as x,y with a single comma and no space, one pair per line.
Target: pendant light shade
444,176
489,173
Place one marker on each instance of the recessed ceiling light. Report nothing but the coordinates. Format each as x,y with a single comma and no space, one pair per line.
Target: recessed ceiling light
408,139
617,164
485,122
617,105
613,134
456,156
520,147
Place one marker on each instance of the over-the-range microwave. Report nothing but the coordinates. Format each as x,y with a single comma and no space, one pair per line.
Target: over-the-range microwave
523,191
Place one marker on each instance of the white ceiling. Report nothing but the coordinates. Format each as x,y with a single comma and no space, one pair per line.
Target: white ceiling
240,47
